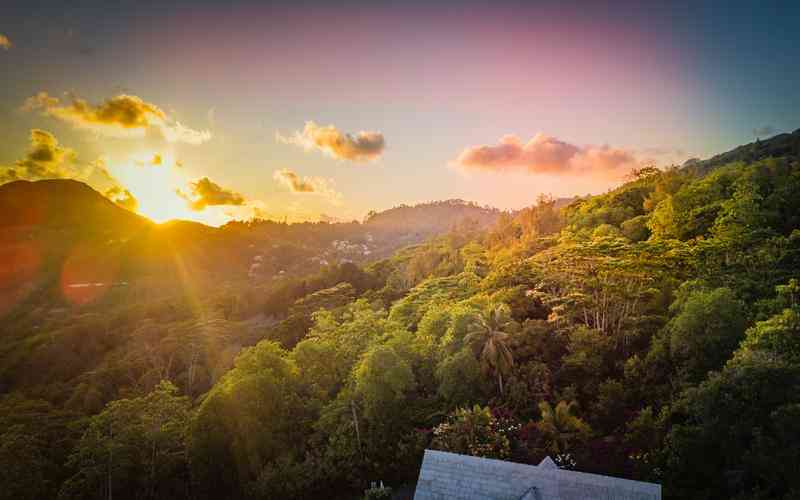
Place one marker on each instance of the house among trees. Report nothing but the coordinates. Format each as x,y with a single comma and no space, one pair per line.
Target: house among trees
451,476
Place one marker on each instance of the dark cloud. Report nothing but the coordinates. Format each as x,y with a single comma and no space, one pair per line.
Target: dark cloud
124,115
359,147
547,155
45,159
205,193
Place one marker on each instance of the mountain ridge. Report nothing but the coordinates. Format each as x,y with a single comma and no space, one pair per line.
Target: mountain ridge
781,145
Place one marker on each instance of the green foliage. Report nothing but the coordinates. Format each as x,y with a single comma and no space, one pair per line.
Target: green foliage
382,380
706,329
561,427
26,471
249,419
410,310
134,448
778,337
736,432
460,379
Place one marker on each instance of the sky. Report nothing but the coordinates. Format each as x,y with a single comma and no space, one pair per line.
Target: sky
318,110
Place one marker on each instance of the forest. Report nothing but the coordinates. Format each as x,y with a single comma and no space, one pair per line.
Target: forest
651,332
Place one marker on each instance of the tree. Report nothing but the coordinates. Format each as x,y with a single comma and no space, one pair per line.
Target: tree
459,378
25,468
736,433
135,448
707,328
490,342
561,427
777,337
382,380
254,415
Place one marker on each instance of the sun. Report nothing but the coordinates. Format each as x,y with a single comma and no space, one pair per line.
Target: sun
154,179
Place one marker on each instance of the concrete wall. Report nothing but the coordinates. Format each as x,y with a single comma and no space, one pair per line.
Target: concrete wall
460,477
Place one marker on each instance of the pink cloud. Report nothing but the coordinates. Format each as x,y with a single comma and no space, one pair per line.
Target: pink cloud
544,154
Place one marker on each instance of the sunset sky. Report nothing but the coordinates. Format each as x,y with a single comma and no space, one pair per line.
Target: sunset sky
308,109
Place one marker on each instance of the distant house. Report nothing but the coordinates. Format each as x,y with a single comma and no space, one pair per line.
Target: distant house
460,477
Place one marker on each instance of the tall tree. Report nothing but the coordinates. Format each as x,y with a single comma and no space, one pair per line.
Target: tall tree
488,337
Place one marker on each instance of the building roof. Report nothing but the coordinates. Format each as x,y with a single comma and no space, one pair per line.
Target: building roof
451,476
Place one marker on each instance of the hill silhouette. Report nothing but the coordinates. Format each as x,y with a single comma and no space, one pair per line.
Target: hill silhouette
60,203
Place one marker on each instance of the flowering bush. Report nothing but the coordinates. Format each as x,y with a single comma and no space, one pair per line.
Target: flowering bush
478,432
378,492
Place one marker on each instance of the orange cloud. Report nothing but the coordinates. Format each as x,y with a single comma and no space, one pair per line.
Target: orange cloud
298,184
359,147
5,42
205,193
120,116
123,198
547,155
154,161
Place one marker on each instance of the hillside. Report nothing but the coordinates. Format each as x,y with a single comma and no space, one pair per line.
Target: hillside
618,334
49,220
64,204
781,145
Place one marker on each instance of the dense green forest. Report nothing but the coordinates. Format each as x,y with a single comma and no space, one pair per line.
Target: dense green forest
651,332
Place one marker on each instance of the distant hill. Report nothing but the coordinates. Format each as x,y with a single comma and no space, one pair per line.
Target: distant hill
433,217
59,203
774,147
62,229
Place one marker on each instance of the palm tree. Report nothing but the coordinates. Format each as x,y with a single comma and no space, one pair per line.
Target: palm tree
487,337
560,425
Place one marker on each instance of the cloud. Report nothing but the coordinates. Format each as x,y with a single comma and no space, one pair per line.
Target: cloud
205,193
123,198
545,154
5,42
45,159
316,185
121,116
154,161
765,131
294,182
359,147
